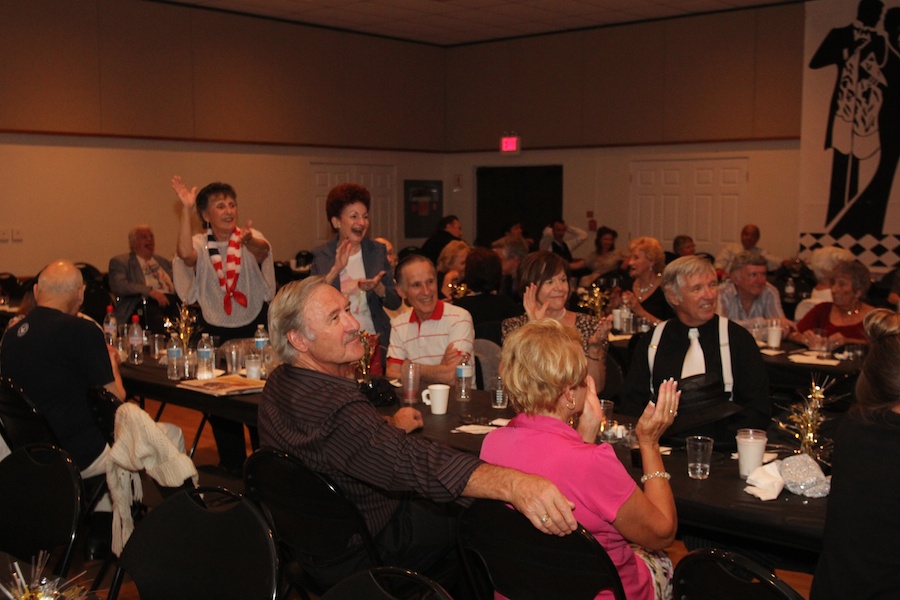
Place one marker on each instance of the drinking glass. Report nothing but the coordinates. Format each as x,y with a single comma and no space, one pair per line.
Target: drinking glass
699,455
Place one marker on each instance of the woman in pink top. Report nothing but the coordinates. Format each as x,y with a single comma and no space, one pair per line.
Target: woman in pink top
545,373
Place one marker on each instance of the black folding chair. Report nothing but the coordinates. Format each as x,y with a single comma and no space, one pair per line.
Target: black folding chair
387,583
312,517
41,503
201,543
525,564
713,574
21,422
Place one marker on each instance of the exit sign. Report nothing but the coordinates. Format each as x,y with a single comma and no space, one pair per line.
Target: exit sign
510,144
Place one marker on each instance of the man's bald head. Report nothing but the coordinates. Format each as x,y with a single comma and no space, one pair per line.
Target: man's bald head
60,286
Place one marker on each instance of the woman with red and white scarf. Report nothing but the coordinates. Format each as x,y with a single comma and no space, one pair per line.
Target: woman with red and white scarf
230,272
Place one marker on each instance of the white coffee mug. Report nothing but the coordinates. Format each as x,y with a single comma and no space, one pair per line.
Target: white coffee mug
437,395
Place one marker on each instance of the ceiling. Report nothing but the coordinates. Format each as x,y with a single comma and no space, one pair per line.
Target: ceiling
453,22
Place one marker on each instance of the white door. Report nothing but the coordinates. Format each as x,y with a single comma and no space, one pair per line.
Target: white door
701,198
380,180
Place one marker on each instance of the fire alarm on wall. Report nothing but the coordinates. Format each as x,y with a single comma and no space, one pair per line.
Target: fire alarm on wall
510,144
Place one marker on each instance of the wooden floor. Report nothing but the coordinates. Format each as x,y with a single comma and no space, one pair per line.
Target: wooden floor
206,456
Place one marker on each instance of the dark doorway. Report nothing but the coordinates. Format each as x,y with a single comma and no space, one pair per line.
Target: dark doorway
532,196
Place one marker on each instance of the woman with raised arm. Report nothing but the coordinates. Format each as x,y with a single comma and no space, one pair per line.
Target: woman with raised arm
544,286
229,271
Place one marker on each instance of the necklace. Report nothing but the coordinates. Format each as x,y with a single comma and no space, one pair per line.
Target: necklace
850,313
559,318
643,290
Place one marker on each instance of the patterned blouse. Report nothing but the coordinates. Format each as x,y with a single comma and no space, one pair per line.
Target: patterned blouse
585,324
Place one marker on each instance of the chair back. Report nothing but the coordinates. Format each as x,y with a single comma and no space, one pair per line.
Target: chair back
104,404
387,583
525,564
40,508
89,273
304,259
11,286
311,514
21,422
713,574
201,543
487,353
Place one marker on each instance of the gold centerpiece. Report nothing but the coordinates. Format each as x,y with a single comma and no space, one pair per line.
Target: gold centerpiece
39,587
805,418
595,299
184,326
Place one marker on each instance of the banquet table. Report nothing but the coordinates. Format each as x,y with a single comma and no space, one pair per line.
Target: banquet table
716,504
148,380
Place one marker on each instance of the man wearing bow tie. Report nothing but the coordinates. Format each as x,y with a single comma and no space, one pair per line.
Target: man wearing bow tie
717,363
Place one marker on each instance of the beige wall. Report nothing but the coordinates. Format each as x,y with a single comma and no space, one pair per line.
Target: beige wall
86,85
145,69
77,197
725,76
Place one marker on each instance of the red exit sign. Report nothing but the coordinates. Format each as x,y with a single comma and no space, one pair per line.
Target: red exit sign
510,144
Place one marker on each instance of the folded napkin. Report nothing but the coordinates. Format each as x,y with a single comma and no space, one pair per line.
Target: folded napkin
500,422
765,482
665,450
805,359
767,456
770,351
474,429
618,337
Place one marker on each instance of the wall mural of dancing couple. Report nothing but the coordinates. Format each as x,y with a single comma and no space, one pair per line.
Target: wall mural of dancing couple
851,100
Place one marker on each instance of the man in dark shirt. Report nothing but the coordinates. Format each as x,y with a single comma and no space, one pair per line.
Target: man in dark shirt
311,408
729,389
448,230
56,357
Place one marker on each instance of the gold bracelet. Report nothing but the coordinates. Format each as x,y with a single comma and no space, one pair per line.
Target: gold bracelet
654,474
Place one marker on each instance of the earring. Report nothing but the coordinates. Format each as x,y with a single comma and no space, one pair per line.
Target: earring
572,400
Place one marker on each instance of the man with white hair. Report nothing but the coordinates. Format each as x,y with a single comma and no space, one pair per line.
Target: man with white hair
721,375
312,408
143,275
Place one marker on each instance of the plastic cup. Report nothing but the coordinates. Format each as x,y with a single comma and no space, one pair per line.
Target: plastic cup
773,334
233,357
498,394
617,319
437,395
751,445
699,454
409,382
157,345
254,367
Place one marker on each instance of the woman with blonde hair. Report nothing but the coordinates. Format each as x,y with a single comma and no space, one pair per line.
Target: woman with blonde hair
862,522
641,290
451,267
545,373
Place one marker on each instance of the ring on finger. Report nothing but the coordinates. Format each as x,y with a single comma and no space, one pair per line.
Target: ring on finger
545,517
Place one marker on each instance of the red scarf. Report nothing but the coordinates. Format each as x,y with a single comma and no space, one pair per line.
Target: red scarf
229,277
